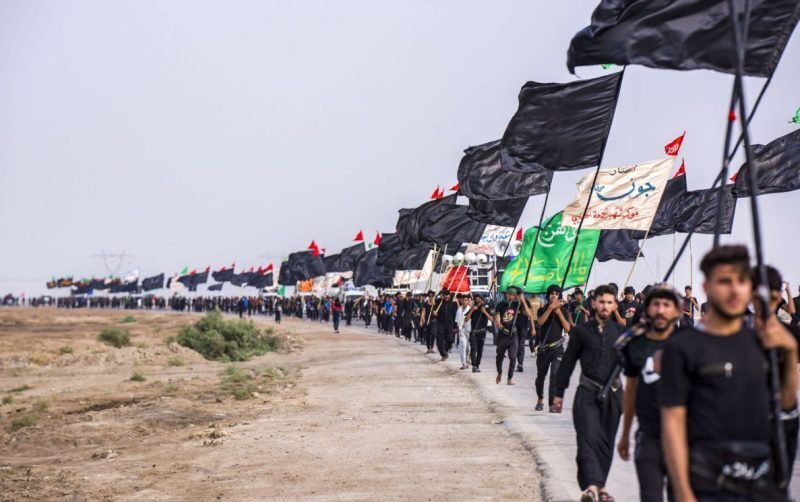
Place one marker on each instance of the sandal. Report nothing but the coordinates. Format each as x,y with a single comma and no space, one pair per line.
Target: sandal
606,497
589,496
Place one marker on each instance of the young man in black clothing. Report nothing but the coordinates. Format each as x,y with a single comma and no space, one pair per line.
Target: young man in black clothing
641,355
578,311
445,314
427,323
629,307
715,407
510,318
596,421
479,319
552,320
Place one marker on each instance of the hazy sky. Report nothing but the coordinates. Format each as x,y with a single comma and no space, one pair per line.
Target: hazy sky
193,133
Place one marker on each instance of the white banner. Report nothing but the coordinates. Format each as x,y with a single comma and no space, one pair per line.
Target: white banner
494,239
623,198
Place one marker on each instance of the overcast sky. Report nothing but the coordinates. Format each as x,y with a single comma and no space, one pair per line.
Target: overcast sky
192,133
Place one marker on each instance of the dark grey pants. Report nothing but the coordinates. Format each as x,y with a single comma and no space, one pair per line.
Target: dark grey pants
506,343
548,359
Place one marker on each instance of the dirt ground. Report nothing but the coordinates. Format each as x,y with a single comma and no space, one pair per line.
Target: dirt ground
355,416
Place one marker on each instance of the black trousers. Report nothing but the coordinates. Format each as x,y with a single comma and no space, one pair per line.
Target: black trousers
596,427
521,349
506,343
651,468
548,359
445,336
476,341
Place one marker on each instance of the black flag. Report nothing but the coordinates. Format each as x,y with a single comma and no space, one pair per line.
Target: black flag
389,250
155,282
669,209
223,275
503,212
451,227
332,262
349,256
414,258
777,167
261,279
699,209
411,221
684,35
301,266
191,281
368,272
242,279
82,288
127,287
618,245
481,176
216,287
561,127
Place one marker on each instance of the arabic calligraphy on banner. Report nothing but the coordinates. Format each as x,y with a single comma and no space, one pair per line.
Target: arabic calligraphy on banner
623,198
493,235
551,257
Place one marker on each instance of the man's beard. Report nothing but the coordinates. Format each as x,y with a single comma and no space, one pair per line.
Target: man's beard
722,313
660,330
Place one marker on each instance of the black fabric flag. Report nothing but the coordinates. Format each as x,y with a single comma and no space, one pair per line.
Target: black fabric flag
216,287
618,245
561,127
503,212
451,227
128,287
368,272
389,250
223,275
99,284
332,262
669,209
151,283
301,266
699,209
684,35
777,167
411,221
82,289
392,254
414,258
349,256
481,176
242,279
191,281
261,280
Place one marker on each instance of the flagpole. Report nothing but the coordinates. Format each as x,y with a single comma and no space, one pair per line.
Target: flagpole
762,291
638,254
533,248
721,202
591,192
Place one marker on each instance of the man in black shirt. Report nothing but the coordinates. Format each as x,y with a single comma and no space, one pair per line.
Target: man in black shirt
509,319
629,307
479,318
578,311
596,421
550,344
714,394
641,354
445,314
427,323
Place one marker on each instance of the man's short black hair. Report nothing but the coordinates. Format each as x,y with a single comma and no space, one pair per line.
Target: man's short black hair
687,287
774,279
735,255
630,290
554,288
604,289
577,292
614,287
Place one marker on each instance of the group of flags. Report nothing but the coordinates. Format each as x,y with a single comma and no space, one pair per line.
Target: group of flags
565,127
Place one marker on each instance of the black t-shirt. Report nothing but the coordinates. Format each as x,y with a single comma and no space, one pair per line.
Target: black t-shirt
629,311
722,382
639,360
506,311
552,330
576,315
478,320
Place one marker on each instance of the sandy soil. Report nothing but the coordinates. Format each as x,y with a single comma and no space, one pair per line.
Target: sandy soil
356,416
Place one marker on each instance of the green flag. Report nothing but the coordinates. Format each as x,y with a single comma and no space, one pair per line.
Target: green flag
282,291
552,254
184,271
796,118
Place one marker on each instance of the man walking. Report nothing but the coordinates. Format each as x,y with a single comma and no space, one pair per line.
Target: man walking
445,314
479,319
552,320
641,349
462,321
595,420
510,319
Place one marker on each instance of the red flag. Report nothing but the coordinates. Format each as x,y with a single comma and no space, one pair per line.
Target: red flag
377,241
674,147
681,171
436,194
194,271
454,188
315,252
732,115
456,280
733,178
208,268
520,235
251,269
313,245
359,236
269,268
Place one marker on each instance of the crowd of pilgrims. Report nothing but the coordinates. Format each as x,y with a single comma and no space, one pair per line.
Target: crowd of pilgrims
695,374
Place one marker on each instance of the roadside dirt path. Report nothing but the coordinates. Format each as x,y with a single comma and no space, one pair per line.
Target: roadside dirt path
365,418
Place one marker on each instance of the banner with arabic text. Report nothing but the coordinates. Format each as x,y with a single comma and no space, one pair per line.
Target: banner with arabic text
550,259
623,198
